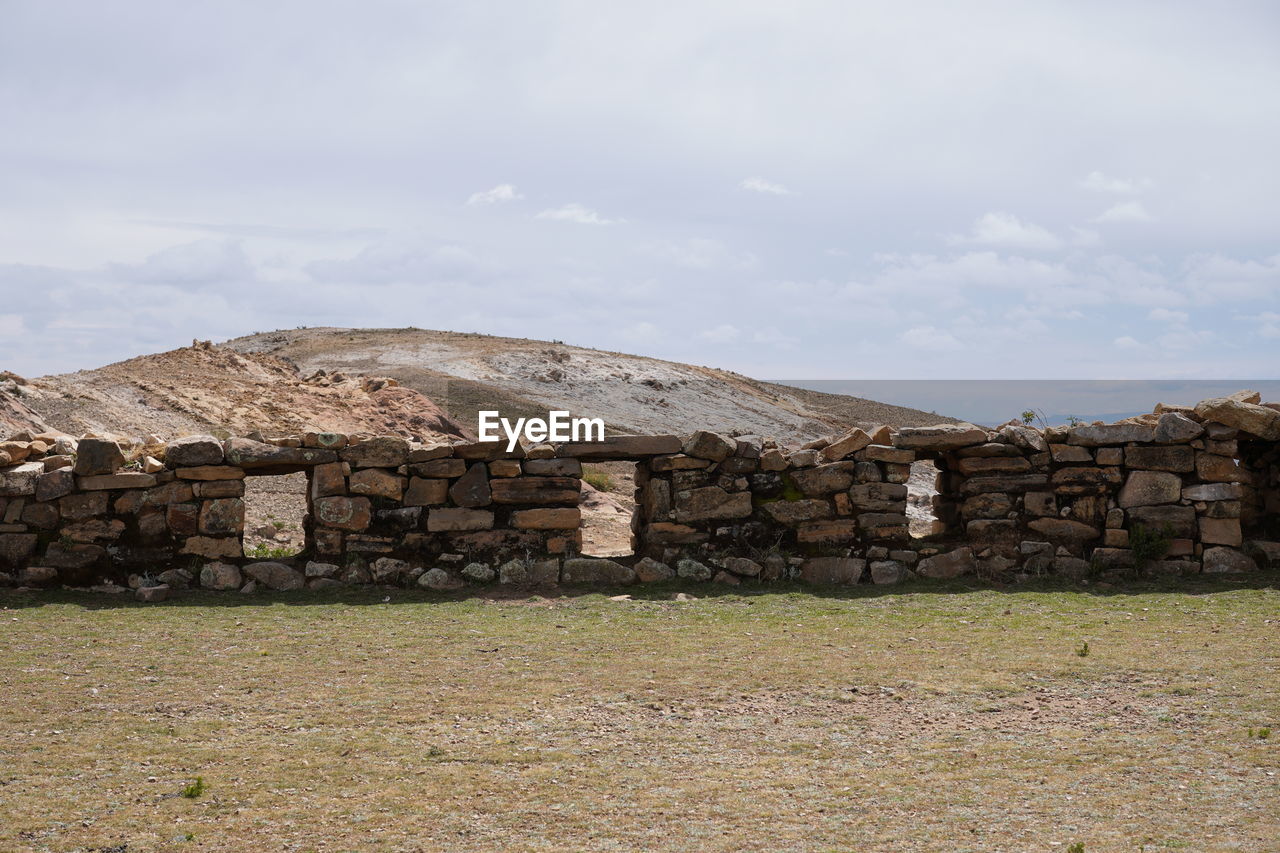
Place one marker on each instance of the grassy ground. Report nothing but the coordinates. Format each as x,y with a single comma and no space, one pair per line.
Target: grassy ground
964,720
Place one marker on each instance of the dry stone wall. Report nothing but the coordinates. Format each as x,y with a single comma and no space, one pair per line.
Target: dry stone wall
1177,492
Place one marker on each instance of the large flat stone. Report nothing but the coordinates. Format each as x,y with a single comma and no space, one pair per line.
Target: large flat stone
19,480
622,447
1102,434
941,437
535,490
1246,417
255,455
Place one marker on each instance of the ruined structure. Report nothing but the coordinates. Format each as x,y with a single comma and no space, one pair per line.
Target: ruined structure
1181,491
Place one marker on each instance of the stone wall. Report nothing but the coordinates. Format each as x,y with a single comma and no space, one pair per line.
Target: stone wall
1179,491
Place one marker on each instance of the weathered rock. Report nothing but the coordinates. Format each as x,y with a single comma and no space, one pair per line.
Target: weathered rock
382,452
191,451
514,572
1213,492
97,456
1176,427
556,467
1028,438
585,570
621,447
1177,458
743,566
37,576
888,572
343,513
947,565
21,479
326,440
428,452
222,517
128,480
709,445
253,455
886,453
535,490
1218,469
994,505
711,502
993,465
505,468
773,459
1268,553
1246,417
1064,529
832,571
1227,561
794,512
54,484
426,492
1221,531
152,594
211,473
275,575
472,488
321,570
846,445
940,437
440,468
458,519
1175,521
692,570
1146,488
175,578
94,530
376,482
830,530
388,570
1070,453
221,576
438,579
1095,436
824,479
549,518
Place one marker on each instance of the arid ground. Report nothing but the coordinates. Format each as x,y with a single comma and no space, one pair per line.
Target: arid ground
938,718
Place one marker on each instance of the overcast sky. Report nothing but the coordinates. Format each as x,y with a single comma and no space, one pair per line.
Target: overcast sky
799,189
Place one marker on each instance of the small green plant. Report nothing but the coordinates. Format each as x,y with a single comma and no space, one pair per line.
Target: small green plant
1078,847
263,551
1028,416
1260,734
1149,545
195,789
599,480
1083,649
1072,420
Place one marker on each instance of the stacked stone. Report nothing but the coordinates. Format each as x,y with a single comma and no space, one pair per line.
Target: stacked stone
1158,494
749,509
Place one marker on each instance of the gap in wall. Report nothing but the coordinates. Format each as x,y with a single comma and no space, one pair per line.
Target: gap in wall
608,504
922,488
275,509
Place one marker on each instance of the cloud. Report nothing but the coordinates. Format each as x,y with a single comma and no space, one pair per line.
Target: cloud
1126,342
1100,183
703,254
930,338
1006,230
760,185
1164,315
191,265
725,333
575,212
498,195
1268,324
1125,211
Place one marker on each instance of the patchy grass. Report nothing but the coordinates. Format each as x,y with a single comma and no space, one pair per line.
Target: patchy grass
919,719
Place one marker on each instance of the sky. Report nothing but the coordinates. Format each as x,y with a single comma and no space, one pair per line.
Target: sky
823,190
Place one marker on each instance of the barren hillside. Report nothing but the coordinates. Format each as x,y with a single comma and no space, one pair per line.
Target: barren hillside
203,387
466,372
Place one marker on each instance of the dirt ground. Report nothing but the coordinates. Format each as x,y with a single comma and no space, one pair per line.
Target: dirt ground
922,718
